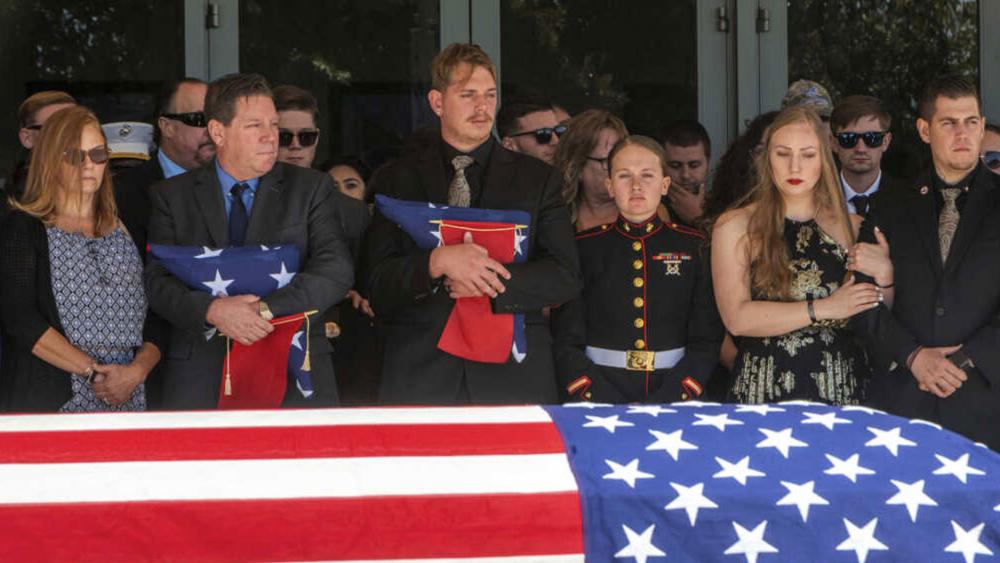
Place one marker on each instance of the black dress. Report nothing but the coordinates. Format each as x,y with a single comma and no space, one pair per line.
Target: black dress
821,362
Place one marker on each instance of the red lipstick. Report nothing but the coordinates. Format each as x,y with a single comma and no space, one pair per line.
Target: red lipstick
794,181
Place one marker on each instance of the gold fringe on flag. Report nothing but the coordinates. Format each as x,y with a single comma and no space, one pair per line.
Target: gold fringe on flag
229,385
306,364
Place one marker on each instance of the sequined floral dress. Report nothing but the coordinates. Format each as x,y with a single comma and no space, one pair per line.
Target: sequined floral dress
821,362
97,284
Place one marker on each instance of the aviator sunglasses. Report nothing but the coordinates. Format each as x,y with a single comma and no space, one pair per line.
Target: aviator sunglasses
306,138
872,139
76,157
543,135
191,119
992,159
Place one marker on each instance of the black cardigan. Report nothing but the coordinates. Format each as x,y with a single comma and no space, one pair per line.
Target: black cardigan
27,310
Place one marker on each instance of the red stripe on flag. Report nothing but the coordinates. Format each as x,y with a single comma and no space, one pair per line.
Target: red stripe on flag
279,442
300,529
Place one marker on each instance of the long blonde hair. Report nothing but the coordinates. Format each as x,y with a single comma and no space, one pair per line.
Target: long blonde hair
45,185
770,264
576,145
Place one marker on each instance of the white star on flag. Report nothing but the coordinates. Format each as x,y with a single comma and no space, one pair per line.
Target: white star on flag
847,467
800,403
209,253
738,471
671,443
586,405
690,499
959,467
652,410
780,440
283,277
640,546
861,540
609,423
628,473
218,285
891,439
696,404
912,496
751,543
295,340
868,410
801,496
967,542
829,420
518,239
759,409
264,248
437,235
717,420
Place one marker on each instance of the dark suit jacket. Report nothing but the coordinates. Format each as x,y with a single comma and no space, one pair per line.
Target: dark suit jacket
940,305
132,187
292,205
412,313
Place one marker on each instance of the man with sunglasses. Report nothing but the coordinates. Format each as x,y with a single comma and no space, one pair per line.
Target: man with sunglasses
991,147
34,111
298,134
935,352
184,145
529,126
861,136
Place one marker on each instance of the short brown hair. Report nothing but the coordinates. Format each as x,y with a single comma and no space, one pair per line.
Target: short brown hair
952,87
35,102
853,108
62,132
292,98
643,141
452,56
220,100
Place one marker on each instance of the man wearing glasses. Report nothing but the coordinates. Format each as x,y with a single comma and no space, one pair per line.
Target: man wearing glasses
298,134
31,115
860,137
529,126
184,145
991,147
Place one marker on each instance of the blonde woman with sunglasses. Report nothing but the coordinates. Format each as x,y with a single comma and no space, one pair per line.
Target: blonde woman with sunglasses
71,295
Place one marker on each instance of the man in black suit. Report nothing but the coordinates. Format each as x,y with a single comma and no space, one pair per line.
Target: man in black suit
244,197
184,145
412,291
937,349
860,127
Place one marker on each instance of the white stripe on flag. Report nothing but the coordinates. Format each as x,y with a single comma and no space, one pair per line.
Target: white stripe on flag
283,478
305,417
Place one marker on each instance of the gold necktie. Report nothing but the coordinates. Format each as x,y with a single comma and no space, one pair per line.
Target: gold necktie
948,220
459,193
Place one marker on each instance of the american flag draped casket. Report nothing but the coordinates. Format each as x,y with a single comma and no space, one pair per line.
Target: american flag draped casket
682,482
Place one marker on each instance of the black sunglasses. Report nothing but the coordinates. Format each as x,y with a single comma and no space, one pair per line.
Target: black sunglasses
191,119
872,139
992,159
306,138
543,135
76,157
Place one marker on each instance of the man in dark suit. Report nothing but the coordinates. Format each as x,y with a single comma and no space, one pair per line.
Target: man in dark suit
184,145
412,291
937,349
860,127
243,197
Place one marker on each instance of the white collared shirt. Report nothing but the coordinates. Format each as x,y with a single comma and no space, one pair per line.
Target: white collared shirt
849,192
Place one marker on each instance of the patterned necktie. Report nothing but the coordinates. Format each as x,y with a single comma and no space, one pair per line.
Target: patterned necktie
459,193
238,218
948,220
860,203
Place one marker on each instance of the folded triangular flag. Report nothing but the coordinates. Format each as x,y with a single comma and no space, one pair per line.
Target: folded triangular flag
256,376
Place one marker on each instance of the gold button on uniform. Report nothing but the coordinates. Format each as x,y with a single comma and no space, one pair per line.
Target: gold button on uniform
639,323
638,282
640,344
637,264
638,302
636,245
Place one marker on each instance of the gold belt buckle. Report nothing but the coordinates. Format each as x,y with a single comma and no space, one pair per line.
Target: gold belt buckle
640,360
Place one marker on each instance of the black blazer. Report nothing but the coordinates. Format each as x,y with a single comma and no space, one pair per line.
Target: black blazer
132,197
412,313
293,205
940,305
28,308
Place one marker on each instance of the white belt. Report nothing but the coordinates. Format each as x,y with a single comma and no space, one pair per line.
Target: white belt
639,360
